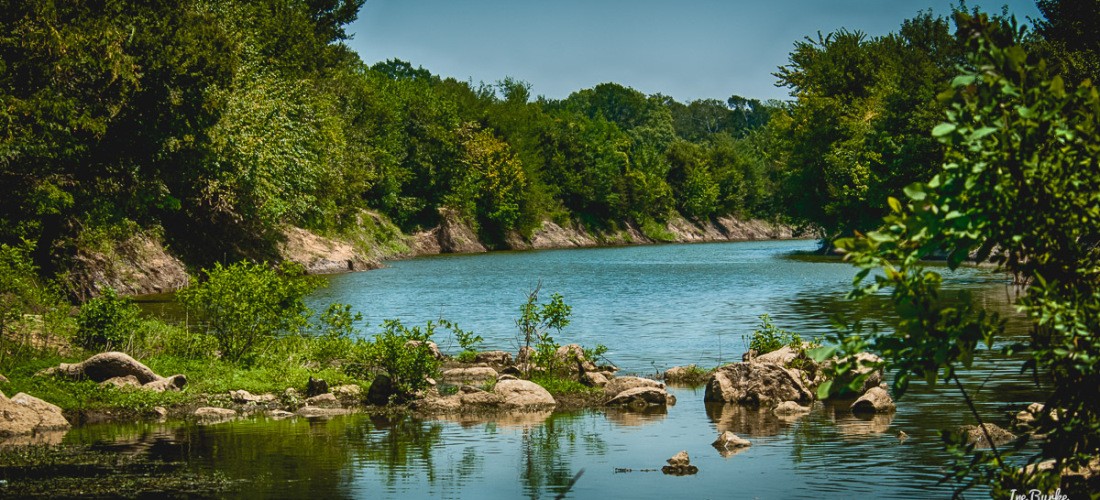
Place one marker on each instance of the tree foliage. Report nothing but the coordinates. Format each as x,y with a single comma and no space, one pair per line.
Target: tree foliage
245,305
1018,187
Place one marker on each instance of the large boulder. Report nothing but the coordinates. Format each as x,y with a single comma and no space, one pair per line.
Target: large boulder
642,397
523,394
756,384
381,390
24,414
875,400
117,365
620,384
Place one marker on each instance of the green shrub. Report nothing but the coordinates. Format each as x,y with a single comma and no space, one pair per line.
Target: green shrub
108,322
336,335
246,305
404,354
768,337
537,321
467,341
33,312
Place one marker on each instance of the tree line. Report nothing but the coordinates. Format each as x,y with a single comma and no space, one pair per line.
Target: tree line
231,120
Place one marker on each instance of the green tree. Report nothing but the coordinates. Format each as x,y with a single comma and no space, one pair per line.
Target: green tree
108,322
1019,188
245,305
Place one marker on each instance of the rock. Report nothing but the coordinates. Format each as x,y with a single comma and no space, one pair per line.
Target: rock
321,412
525,355
326,400
680,459
117,365
381,390
975,436
120,382
316,386
209,414
511,371
104,366
594,379
244,397
620,384
479,397
571,357
477,374
507,377
680,465
728,441
1025,419
749,355
782,356
494,358
790,408
3,379
173,383
641,397
24,414
523,394
756,384
690,374
875,400
861,359
348,392
279,414
432,347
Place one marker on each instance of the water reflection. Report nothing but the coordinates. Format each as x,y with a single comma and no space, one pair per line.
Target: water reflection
744,420
636,418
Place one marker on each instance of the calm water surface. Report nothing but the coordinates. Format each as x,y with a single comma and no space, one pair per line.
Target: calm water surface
654,307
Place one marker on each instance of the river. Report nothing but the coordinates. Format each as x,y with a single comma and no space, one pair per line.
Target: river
653,307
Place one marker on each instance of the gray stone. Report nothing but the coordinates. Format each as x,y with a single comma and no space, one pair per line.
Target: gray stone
875,400
620,384
641,397
976,437
209,414
756,384
494,357
728,440
523,394
326,400
477,374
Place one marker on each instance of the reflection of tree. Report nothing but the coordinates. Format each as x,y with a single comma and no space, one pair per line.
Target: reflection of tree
545,467
397,443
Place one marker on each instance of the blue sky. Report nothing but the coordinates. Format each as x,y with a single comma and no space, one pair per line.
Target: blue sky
687,49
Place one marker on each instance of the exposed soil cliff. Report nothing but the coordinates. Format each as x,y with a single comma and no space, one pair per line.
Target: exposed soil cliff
140,265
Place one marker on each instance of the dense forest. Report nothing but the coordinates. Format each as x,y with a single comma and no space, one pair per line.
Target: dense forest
232,120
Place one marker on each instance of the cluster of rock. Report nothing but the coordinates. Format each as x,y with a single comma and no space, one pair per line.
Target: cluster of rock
319,401
25,419
493,381
786,381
